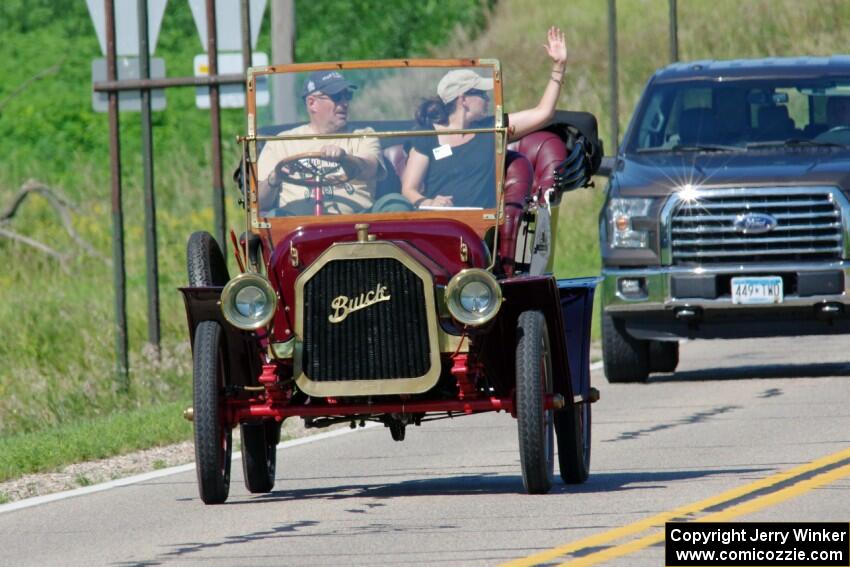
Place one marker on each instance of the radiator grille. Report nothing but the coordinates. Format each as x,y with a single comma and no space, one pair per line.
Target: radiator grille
386,340
807,227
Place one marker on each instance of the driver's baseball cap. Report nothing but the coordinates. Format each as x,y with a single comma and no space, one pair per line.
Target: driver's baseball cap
328,82
455,83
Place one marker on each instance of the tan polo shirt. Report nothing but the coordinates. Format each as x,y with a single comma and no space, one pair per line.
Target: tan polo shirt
354,196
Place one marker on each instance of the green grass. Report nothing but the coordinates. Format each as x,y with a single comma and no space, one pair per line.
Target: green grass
91,439
59,401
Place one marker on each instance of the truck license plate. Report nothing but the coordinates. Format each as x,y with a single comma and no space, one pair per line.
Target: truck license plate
757,290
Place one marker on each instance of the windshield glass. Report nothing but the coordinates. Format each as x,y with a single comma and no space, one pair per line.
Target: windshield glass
350,140
742,115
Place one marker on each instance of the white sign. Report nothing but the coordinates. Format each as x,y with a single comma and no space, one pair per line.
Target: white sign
230,96
228,22
127,25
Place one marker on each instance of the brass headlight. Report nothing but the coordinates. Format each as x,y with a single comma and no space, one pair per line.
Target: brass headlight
248,301
473,296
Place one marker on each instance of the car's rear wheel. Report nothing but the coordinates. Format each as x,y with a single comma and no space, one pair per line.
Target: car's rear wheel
625,358
259,454
213,437
663,356
534,422
572,427
205,262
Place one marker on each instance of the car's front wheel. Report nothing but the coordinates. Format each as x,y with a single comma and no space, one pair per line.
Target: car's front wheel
213,437
625,358
205,263
259,454
534,422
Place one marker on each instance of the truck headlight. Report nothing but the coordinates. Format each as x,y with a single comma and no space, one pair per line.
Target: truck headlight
621,213
473,296
248,301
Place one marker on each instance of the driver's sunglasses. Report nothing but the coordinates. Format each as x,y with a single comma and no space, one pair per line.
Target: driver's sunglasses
342,96
476,92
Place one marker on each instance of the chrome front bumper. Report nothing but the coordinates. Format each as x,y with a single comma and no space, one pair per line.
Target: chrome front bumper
658,294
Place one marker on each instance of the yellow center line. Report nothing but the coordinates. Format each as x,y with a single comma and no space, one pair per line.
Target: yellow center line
658,520
748,507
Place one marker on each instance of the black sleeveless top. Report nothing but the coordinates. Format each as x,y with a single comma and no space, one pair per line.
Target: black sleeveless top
467,175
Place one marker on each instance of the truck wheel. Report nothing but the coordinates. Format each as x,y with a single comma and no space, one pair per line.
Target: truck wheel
663,356
625,358
572,428
213,439
205,262
259,455
533,381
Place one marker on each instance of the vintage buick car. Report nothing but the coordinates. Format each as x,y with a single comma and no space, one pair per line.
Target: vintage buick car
349,309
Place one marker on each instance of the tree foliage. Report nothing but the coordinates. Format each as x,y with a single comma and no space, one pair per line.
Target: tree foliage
46,117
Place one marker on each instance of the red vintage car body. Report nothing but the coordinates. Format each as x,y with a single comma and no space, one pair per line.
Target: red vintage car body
281,369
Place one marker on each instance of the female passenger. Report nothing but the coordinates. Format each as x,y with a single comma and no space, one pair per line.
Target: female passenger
439,170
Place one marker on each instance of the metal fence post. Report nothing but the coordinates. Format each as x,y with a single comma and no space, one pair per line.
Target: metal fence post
215,126
118,271
151,254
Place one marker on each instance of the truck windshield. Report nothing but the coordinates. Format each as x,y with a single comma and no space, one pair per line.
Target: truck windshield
740,115
345,137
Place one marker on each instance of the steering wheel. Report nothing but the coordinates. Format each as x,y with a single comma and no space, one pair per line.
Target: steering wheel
311,169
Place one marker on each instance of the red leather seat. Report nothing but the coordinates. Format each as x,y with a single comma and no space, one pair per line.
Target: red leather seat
519,176
396,156
520,179
545,150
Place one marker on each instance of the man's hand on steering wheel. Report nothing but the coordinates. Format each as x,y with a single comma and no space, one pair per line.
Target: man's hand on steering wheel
348,162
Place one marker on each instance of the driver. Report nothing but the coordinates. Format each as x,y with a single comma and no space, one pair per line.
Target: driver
326,95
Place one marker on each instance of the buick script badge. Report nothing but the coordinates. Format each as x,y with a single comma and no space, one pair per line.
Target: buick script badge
342,306
754,223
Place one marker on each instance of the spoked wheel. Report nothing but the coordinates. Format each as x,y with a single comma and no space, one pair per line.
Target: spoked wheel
259,455
572,426
205,262
533,382
213,439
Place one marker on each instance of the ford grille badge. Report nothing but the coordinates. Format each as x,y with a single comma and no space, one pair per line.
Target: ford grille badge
754,223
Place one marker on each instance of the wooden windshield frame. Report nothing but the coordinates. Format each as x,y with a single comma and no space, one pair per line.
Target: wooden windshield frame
277,227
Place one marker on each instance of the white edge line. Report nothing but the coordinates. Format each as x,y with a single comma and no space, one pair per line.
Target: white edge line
37,500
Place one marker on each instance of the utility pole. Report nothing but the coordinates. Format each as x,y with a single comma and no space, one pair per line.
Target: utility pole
283,51
674,33
612,74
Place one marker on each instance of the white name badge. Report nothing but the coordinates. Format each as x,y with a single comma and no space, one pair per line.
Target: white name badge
443,151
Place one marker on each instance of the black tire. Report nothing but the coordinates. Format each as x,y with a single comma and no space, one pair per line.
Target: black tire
625,358
534,423
663,356
259,455
572,429
213,438
205,262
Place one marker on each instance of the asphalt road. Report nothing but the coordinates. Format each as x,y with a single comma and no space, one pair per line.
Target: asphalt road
745,431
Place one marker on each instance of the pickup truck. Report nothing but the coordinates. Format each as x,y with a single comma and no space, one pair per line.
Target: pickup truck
727,212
